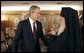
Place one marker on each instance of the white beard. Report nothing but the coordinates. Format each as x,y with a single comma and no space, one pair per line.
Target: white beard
61,29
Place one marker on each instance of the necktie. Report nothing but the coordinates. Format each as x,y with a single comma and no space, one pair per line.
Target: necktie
34,30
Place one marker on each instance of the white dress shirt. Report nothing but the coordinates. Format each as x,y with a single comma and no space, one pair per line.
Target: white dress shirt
31,23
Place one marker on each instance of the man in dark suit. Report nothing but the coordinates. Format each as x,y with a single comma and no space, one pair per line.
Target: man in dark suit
29,31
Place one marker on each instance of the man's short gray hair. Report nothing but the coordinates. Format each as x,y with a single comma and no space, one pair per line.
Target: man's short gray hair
32,8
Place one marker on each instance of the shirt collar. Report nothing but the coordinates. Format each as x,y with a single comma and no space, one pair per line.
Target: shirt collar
31,20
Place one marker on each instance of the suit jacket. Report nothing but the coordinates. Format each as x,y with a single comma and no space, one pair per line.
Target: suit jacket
25,37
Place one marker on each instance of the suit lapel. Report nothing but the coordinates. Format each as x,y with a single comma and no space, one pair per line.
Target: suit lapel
29,29
37,25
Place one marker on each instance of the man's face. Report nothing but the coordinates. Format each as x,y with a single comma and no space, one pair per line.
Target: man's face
36,13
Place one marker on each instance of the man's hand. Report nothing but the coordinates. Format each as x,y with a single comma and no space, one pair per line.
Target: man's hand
53,31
